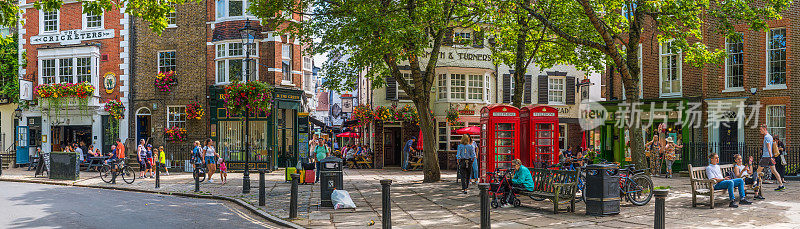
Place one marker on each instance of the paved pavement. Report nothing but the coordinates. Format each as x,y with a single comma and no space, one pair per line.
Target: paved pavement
433,205
27,205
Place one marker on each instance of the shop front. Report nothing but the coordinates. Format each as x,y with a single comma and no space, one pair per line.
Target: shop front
274,137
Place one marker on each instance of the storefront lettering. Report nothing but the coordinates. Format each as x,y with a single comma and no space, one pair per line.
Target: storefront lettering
282,96
72,36
462,56
545,114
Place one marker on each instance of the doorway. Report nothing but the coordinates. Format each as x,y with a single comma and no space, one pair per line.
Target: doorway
143,124
392,146
63,135
728,140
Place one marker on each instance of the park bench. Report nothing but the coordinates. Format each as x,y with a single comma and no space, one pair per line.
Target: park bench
702,186
556,185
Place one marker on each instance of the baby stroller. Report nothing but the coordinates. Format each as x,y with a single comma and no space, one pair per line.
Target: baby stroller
502,191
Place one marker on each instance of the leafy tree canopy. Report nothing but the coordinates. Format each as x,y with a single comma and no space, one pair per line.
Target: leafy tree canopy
9,82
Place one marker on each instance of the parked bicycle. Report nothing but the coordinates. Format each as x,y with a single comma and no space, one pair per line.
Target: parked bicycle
199,173
635,185
109,173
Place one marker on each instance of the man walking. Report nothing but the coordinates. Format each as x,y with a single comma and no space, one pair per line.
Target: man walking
407,149
766,157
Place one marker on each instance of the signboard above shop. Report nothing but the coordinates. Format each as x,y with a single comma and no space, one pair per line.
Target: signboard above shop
72,36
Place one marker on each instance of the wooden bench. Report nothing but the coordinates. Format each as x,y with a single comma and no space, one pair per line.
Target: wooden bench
702,186
363,162
555,185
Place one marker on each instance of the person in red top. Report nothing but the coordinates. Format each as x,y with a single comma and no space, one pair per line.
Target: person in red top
120,150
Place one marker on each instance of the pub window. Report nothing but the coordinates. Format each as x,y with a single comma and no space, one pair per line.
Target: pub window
230,64
176,116
65,74
401,94
166,61
457,86
442,86
48,71
50,21
555,90
67,70
475,91
562,136
93,21
84,69
443,136
286,64
463,37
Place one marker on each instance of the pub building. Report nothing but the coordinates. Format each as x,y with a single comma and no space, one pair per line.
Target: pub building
72,46
275,137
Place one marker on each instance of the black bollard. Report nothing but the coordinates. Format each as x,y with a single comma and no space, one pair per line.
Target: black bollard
158,175
485,220
196,181
293,200
661,196
386,204
261,188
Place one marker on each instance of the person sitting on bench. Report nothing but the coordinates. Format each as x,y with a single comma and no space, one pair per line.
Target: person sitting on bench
722,182
522,179
746,173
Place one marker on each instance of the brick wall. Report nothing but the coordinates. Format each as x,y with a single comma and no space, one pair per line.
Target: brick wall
188,42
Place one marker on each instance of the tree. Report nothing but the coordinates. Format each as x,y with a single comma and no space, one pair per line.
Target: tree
614,28
522,40
9,82
380,37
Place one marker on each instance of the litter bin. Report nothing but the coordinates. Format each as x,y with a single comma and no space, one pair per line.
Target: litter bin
602,189
64,166
331,178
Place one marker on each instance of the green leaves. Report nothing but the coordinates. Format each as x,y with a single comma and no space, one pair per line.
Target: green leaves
9,82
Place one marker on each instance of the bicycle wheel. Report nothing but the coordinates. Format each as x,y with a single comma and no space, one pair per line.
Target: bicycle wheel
640,189
582,186
128,175
105,173
199,174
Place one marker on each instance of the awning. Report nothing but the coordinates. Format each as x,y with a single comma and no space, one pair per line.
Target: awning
317,122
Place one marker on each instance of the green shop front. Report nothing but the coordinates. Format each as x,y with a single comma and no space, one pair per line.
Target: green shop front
613,138
274,137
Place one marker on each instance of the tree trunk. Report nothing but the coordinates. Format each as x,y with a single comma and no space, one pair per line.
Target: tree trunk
635,131
430,161
519,58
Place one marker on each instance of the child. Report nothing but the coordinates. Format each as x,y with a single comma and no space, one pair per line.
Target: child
223,170
162,159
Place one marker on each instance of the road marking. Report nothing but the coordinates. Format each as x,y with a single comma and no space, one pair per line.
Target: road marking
248,218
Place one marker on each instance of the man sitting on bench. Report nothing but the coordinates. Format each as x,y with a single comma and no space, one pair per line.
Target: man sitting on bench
522,179
713,172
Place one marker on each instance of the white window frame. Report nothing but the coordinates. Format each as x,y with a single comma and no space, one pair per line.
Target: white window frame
562,126
287,53
74,69
174,60
442,83
400,90
171,110
471,87
174,16
223,55
86,22
465,37
552,88
462,86
727,67
225,14
772,118
769,59
679,70
308,63
42,23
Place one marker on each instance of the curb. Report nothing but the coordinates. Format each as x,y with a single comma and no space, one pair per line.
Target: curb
239,202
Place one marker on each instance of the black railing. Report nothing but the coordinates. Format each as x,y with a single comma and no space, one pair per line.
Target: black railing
697,154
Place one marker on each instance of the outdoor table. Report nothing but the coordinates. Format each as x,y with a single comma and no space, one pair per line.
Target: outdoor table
96,162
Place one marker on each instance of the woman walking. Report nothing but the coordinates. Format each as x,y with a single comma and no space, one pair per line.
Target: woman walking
321,150
669,155
654,147
465,154
211,159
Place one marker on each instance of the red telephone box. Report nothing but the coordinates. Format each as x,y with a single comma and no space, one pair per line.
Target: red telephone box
540,135
499,138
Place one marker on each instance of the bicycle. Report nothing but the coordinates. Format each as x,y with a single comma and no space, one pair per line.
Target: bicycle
570,166
635,185
109,174
199,173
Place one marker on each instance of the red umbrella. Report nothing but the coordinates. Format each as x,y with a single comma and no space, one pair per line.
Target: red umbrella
348,135
472,130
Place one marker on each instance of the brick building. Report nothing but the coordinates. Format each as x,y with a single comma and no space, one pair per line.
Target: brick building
180,49
758,69
277,59
71,46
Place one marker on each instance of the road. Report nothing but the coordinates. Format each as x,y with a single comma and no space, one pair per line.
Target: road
26,205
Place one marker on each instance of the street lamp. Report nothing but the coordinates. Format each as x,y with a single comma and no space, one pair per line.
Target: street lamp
248,35
18,113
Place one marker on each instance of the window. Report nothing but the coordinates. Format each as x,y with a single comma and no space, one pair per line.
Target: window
84,69
562,136
734,65
442,136
93,21
307,63
4,31
171,21
286,64
776,52
235,8
457,86
442,86
475,91
230,62
176,116
232,8
776,120
166,61
50,21
401,94
555,90
48,71
670,70
65,70
462,37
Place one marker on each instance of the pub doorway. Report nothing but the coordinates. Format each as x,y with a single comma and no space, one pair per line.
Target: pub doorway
63,135
392,146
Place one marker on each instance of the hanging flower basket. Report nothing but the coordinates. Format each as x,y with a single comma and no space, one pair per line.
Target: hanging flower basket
59,95
408,114
115,109
452,116
165,81
175,134
363,114
195,111
254,95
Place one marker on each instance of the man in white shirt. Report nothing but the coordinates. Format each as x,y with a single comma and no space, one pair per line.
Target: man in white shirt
713,172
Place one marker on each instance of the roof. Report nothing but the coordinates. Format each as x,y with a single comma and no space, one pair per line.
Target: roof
322,101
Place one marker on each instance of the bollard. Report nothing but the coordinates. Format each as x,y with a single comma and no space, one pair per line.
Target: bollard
261,188
158,175
485,220
661,196
386,204
293,199
196,181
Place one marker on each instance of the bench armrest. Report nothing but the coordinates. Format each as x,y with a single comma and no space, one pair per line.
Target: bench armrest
705,181
568,184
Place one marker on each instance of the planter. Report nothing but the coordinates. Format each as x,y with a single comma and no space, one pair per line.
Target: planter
64,166
660,193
